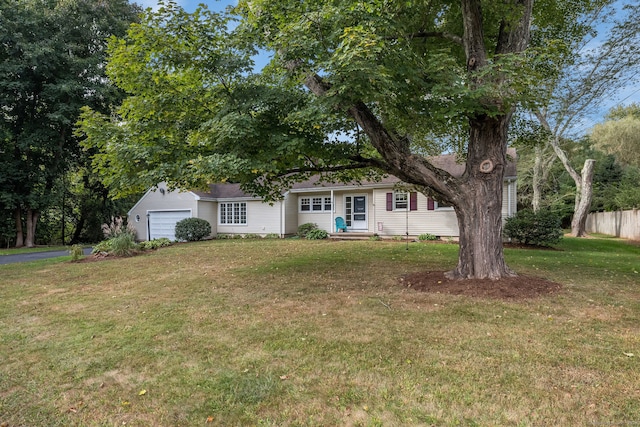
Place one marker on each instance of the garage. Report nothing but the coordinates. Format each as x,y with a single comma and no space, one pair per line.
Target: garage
163,223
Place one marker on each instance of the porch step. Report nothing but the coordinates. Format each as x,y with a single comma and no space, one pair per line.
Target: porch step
350,236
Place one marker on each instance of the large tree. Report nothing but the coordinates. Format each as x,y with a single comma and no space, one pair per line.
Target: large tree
52,55
352,86
598,58
620,134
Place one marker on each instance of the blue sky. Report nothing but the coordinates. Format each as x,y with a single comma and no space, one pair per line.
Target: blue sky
190,5
626,96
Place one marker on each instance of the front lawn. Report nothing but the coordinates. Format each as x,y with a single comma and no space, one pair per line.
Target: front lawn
318,333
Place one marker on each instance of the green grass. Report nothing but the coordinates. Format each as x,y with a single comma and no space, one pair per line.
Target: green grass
316,333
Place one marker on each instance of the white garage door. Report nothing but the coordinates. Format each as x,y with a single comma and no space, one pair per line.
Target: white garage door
163,223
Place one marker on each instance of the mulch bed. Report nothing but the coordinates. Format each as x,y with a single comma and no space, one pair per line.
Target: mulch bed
511,288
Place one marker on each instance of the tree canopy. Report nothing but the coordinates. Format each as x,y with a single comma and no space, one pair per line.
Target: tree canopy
620,134
51,64
353,89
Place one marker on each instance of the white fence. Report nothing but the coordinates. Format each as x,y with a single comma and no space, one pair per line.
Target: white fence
624,224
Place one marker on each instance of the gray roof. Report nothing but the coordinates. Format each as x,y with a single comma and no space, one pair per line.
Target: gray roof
447,162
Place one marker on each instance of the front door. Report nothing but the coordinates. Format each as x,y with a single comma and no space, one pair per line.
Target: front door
356,213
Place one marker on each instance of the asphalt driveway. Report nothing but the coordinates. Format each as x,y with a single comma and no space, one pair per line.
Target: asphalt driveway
34,256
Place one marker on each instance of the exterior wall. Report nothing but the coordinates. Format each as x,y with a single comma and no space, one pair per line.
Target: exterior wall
322,219
157,201
625,224
326,219
439,222
262,219
290,214
208,210
509,198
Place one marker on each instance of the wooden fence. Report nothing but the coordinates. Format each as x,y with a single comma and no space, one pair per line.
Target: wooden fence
624,224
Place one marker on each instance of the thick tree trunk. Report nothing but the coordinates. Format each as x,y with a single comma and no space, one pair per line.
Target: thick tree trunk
32,222
479,211
584,194
19,234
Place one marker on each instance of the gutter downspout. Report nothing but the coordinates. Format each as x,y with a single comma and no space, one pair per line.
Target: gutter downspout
333,210
283,214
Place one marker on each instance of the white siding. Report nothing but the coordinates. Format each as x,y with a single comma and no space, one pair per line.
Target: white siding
439,222
208,210
157,201
509,202
262,219
291,214
322,219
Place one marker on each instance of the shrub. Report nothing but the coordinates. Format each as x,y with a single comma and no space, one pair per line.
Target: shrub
272,236
251,236
304,229
117,227
103,247
375,237
154,244
540,229
427,236
123,245
317,234
76,252
192,229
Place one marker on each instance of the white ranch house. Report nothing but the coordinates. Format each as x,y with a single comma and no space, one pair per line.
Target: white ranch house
368,208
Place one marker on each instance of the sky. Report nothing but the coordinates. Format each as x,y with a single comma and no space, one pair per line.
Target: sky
630,94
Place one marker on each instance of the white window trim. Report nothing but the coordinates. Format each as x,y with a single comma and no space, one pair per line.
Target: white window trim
407,201
236,224
310,203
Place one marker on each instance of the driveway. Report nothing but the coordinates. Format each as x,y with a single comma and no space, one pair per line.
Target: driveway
34,256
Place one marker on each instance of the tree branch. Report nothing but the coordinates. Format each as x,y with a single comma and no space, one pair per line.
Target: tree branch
430,34
395,150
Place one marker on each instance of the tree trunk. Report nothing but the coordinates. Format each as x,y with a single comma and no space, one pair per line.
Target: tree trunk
479,210
32,221
19,234
584,194
542,165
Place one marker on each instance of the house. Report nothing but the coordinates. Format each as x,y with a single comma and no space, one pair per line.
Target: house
380,207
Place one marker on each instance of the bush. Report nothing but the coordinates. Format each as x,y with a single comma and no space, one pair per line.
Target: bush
154,244
76,252
317,234
192,229
304,229
117,228
427,236
540,229
272,236
375,237
252,236
122,245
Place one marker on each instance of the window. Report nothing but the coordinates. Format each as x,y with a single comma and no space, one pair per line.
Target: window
400,200
315,204
233,213
327,204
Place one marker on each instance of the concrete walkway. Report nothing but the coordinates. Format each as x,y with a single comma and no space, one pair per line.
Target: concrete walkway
34,256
